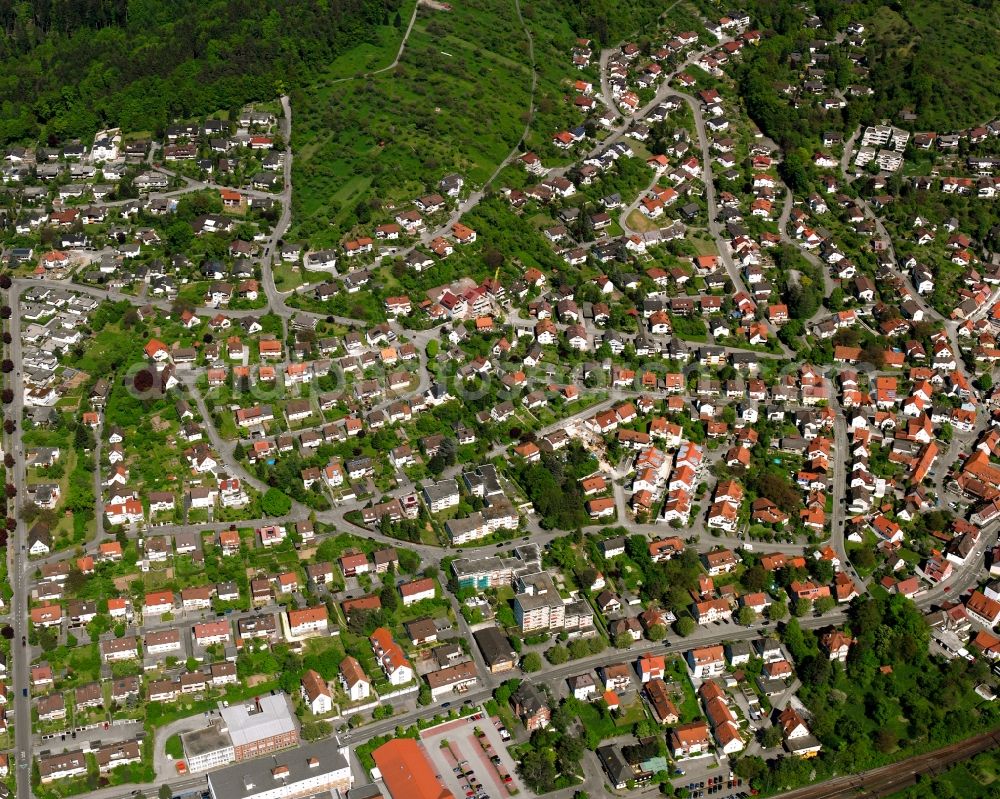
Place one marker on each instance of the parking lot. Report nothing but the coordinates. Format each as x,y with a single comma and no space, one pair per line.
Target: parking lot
464,762
723,785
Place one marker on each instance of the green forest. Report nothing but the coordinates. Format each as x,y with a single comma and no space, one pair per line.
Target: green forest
70,67
893,698
937,61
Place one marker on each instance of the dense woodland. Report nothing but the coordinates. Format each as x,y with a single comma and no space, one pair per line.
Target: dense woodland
70,67
891,700
936,60
609,21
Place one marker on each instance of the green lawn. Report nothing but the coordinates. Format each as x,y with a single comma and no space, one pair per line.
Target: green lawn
629,715
688,708
369,56
596,720
289,276
704,246
174,747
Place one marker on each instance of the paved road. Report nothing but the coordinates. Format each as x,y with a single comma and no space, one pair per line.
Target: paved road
163,766
839,491
18,570
276,303
179,785
950,327
841,445
703,636
162,304
627,211
270,251
224,448
845,157
714,225
607,96
663,91
828,284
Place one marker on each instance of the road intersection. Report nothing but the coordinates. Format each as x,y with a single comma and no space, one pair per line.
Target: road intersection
20,570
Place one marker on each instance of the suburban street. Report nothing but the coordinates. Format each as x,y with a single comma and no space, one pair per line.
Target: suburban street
18,568
433,366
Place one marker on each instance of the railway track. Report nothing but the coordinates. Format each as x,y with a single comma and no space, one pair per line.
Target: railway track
885,780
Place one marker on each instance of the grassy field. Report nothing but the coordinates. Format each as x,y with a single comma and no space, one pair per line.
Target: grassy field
704,246
289,276
454,103
370,56
971,779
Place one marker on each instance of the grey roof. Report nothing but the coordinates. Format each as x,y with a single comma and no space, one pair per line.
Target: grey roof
210,739
494,645
529,698
441,490
250,721
369,791
738,648
483,481
614,764
539,592
802,744
252,777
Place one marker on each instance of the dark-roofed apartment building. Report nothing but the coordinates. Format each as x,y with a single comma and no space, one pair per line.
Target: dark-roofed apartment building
497,651
120,754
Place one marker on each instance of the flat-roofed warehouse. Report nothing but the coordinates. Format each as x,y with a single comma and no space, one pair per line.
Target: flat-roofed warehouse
247,729
311,770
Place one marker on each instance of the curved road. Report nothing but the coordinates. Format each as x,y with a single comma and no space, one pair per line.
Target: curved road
714,226
399,52
276,304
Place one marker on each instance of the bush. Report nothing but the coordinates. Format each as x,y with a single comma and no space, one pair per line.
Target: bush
316,730
824,604
276,503
424,696
777,610
746,616
531,662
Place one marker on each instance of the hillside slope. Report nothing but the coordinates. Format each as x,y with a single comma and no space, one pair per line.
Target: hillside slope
69,67
939,59
458,101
